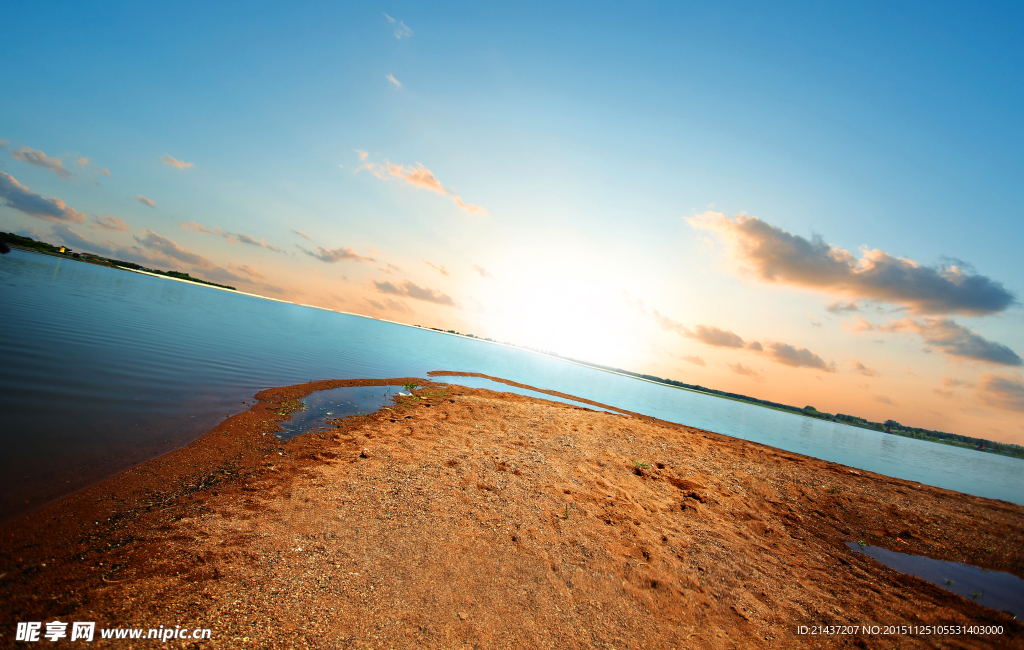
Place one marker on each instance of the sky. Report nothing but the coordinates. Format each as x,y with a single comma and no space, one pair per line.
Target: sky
811,203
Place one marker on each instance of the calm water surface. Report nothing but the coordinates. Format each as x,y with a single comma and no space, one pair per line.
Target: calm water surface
995,589
322,406
102,369
498,387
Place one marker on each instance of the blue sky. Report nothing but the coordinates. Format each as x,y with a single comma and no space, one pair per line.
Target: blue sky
590,136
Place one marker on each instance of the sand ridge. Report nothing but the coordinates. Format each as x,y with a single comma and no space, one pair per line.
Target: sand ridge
478,519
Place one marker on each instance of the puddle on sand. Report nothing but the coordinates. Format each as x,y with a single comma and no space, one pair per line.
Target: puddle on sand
498,387
995,589
324,405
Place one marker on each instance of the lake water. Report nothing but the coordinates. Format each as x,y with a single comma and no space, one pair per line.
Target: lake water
322,406
995,589
101,369
480,382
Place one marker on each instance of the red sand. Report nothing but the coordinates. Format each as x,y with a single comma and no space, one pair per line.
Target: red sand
469,518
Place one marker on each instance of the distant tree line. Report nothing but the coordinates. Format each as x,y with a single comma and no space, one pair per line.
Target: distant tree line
27,242
31,244
889,426
472,336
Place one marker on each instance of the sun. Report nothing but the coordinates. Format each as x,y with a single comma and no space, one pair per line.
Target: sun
574,319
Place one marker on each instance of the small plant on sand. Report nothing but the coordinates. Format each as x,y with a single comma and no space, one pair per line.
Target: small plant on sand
640,465
565,515
833,490
988,549
861,543
409,386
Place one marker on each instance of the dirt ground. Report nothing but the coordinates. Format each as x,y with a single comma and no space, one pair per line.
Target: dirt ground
466,518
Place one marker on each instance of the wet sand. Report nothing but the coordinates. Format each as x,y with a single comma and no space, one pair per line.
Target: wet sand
470,518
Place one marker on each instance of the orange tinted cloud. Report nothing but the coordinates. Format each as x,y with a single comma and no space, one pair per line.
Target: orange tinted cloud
716,336
166,252
251,241
774,255
796,357
376,169
196,226
18,197
663,321
858,324
419,177
1002,392
71,238
145,201
170,248
956,340
469,207
390,305
248,270
332,255
695,360
862,369
111,223
440,269
741,369
39,159
232,237
839,307
709,335
784,353
174,162
411,290
955,383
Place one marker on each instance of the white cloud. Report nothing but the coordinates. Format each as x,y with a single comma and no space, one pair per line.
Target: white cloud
401,31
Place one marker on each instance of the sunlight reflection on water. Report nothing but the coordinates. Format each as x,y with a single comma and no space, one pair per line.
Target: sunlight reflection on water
103,369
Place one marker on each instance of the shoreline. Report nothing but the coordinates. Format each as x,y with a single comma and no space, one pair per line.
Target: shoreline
748,400
472,516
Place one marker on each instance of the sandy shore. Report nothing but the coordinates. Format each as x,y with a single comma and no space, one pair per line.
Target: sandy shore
468,518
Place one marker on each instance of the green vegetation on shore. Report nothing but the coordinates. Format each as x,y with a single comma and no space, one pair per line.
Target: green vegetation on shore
889,426
27,243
